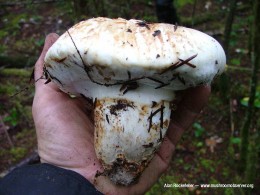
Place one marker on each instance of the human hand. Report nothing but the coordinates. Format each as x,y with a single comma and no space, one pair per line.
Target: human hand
65,132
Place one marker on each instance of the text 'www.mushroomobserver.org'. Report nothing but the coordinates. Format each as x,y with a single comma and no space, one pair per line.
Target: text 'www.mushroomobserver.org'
175,185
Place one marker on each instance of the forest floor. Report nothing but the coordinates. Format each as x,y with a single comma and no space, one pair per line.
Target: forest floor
208,151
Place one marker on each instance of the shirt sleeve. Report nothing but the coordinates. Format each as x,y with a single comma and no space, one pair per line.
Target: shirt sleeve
45,179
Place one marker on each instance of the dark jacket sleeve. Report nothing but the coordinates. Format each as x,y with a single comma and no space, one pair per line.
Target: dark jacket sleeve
45,179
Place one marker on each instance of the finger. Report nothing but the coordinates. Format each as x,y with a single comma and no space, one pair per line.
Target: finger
194,99
38,70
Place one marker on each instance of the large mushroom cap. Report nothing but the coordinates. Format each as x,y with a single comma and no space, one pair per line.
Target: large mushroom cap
115,50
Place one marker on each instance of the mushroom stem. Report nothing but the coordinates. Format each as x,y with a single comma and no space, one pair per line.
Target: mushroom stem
127,134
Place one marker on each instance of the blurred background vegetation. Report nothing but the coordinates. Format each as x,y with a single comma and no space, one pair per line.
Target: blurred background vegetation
223,145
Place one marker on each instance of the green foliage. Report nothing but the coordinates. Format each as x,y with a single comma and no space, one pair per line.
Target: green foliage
3,48
244,101
225,172
149,2
199,144
208,164
13,117
37,18
213,181
17,153
3,34
29,44
8,88
65,7
40,42
235,140
182,3
23,134
149,18
199,130
235,61
12,24
229,191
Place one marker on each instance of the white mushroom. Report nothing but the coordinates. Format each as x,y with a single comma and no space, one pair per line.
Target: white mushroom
130,70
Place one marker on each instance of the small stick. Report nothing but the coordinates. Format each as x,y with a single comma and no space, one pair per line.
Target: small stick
31,76
155,80
172,67
107,118
143,24
156,33
86,67
163,85
150,118
180,63
175,27
6,133
161,118
129,75
181,79
129,86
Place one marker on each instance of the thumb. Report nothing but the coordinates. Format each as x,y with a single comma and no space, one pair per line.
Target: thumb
38,69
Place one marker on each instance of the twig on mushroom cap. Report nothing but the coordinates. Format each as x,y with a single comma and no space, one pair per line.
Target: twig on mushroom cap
143,24
156,80
156,33
162,85
129,86
172,67
107,118
86,67
187,61
181,79
129,75
180,63
150,145
48,76
175,27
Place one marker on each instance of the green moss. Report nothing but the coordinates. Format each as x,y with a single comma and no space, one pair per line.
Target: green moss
25,134
8,88
18,72
18,153
12,23
182,3
208,164
13,117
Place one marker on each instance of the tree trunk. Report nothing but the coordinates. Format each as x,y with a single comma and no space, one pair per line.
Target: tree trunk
250,109
224,78
228,26
252,160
